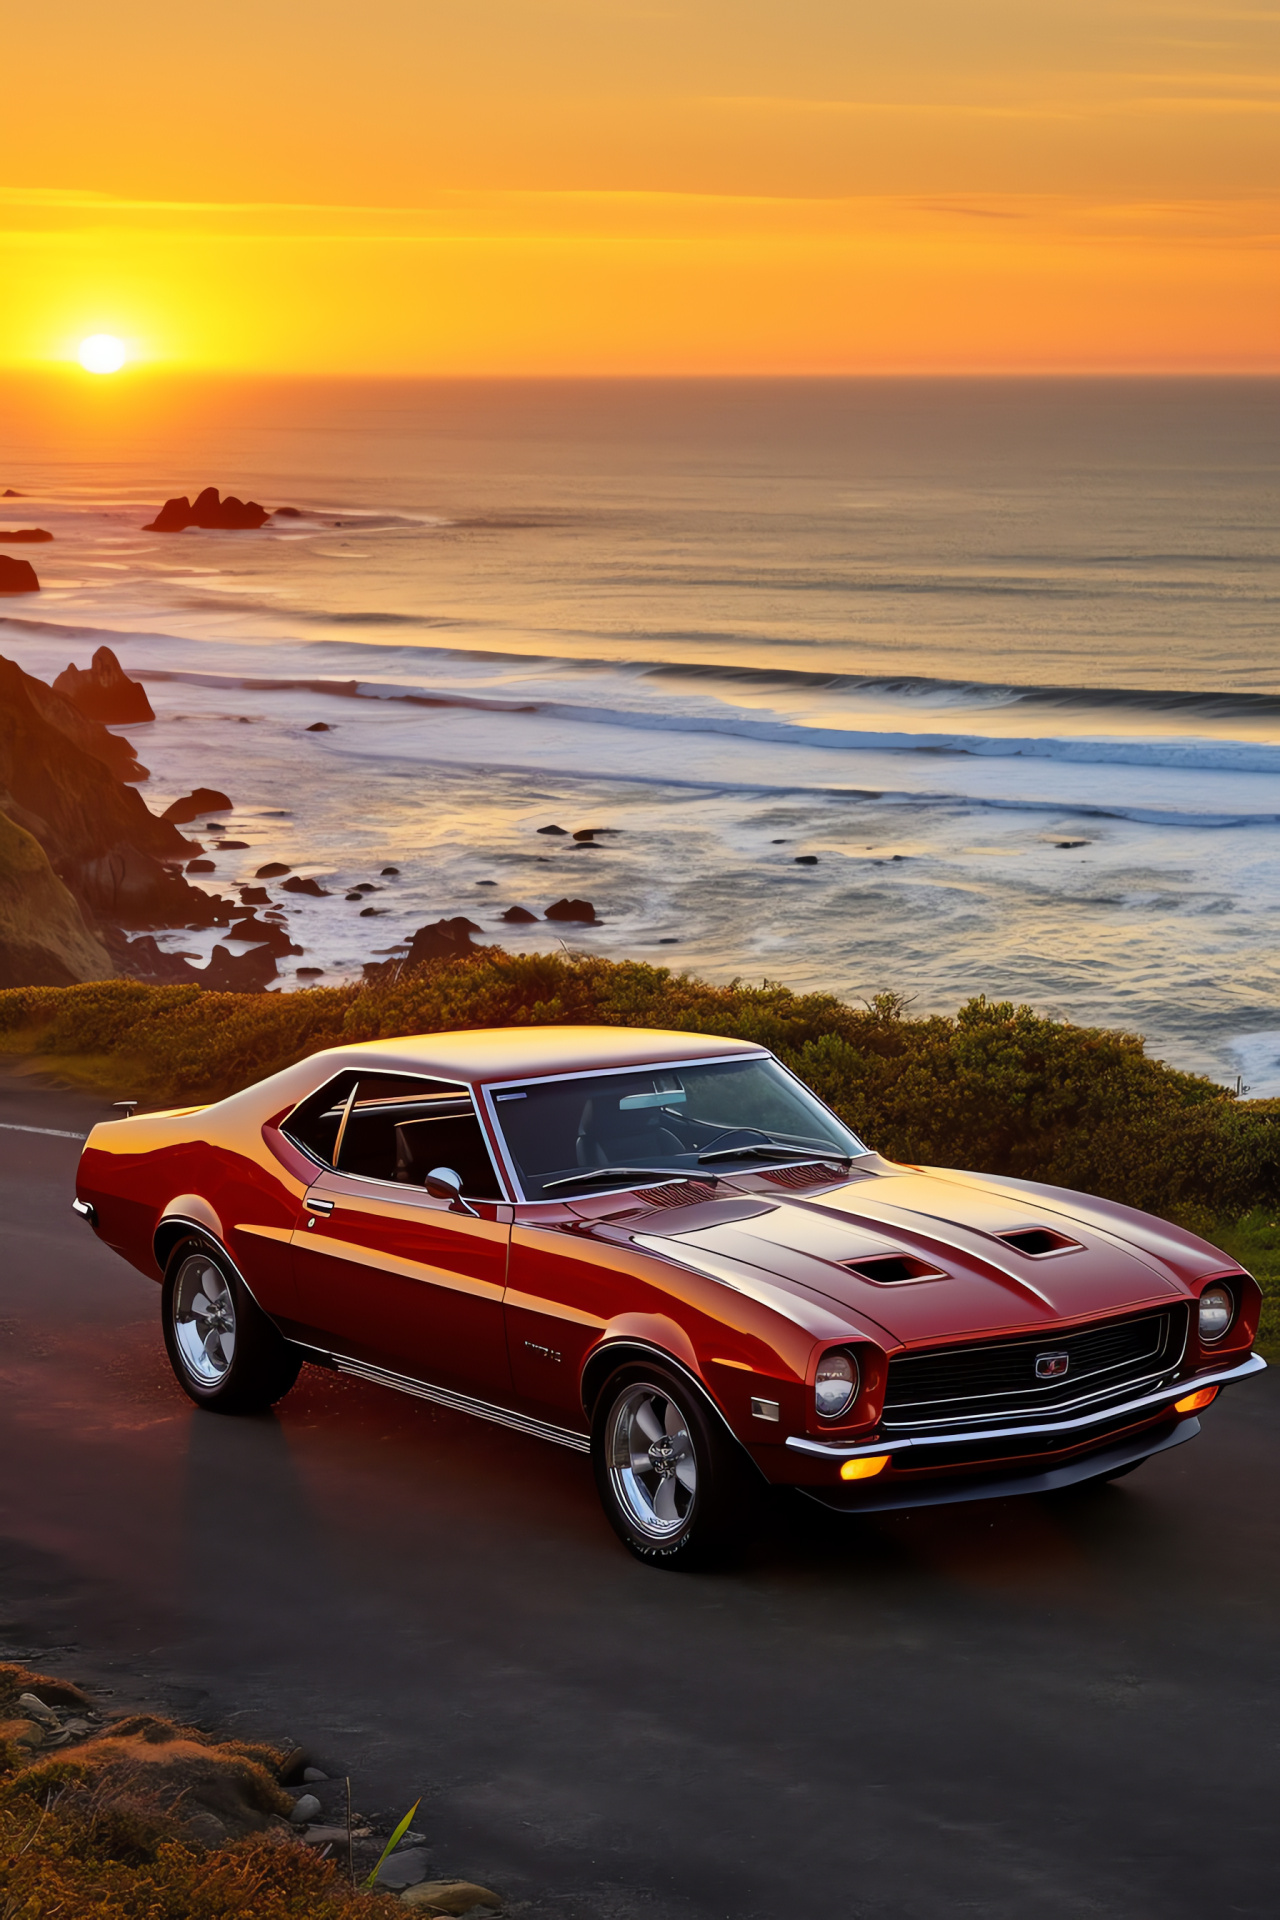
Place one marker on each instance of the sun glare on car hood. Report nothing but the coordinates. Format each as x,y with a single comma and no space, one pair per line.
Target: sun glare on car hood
895,1250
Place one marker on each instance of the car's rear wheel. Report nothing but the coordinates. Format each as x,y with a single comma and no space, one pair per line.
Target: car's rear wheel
671,1480
225,1352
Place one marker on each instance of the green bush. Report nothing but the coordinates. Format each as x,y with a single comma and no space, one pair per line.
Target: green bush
999,1088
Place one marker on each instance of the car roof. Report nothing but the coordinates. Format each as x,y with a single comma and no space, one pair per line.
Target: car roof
517,1053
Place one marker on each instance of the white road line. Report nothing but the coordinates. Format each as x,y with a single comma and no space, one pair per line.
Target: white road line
54,1133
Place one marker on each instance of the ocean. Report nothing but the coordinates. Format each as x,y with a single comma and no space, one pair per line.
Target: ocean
932,687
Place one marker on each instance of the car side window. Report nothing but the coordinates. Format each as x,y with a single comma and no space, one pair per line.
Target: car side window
397,1129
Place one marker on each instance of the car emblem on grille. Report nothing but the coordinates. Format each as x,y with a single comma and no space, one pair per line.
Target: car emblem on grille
1052,1366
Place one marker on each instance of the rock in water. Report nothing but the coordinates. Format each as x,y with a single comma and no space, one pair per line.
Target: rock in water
23,536
203,800
105,692
207,511
17,576
229,972
44,941
310,886
519,916
443,940
581,910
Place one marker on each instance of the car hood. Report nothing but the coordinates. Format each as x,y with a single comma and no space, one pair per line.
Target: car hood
951,1225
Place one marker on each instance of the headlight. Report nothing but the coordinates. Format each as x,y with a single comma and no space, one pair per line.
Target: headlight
1216,1309
836,1387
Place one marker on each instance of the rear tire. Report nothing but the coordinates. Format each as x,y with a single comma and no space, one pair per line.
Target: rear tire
673,1484
225,1353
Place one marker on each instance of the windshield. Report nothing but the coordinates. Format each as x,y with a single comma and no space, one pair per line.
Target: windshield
569,1136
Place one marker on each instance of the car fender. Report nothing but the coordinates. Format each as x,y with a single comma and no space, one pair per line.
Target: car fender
644,1335
188,1209
176,1223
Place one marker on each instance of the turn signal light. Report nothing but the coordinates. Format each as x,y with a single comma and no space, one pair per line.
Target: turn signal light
1194,1401
866,1468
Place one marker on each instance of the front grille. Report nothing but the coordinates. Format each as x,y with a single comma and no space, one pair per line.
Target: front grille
998,1380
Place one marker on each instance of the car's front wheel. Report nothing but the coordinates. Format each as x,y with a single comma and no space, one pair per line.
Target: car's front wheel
673,1483
225,1352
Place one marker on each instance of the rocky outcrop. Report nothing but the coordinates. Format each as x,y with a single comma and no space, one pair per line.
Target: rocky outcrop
104,691
17,576
90,736
580,910
519,916
229,515
116,857
203,800
443,940
229,972
23,536
44,941
226,972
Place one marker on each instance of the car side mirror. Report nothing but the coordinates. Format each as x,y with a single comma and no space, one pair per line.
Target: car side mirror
442,1183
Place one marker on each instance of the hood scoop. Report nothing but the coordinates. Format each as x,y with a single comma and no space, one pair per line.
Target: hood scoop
1037,1243
893,1269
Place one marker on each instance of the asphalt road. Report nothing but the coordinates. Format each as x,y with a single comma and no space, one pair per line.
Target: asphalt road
1061,1707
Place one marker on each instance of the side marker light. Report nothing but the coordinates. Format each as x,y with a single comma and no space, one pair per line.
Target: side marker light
1194,1401
865,1469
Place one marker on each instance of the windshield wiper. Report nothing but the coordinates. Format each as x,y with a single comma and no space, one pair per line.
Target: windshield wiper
774,1150
589,1175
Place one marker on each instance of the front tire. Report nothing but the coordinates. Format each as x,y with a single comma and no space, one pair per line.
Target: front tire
225,1353
671,1480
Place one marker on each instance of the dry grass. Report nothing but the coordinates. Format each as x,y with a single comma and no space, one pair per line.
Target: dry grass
150,1821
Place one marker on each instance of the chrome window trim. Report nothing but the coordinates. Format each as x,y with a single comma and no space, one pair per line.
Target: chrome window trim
490,1088
1177,1390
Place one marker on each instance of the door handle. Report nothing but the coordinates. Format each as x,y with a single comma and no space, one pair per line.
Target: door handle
320,1206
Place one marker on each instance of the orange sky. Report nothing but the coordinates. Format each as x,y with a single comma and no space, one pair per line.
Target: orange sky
590,186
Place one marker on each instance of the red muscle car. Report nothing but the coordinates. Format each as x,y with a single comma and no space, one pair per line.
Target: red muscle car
662,1250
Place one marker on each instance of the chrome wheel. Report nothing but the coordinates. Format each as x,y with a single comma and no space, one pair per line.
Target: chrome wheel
652,1464
204,1320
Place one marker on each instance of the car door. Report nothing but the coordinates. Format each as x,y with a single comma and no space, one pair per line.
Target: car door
561,1295
385,1273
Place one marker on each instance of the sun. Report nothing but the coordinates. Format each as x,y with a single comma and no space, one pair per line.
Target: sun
101,353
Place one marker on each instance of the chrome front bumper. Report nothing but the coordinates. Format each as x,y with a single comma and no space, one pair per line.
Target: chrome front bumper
1077,1429
895,1497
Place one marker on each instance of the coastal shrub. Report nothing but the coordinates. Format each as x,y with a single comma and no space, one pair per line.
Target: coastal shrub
998,1088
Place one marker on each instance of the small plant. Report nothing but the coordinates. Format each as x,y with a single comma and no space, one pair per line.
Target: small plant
391,1846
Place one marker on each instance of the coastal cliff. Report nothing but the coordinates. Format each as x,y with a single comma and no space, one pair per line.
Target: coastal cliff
56,782
44,940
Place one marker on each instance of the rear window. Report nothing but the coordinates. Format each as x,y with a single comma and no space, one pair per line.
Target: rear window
397,1128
